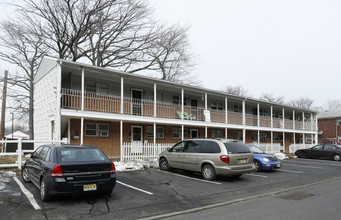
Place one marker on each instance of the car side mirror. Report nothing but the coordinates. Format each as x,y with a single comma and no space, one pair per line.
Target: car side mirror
28,156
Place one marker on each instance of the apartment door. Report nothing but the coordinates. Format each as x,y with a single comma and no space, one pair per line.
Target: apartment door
194,133
136,102
136,139
194,109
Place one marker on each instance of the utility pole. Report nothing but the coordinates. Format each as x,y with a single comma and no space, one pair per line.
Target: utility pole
3,107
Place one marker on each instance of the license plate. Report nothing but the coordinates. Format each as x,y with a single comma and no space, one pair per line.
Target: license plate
242,160
278,165
90,187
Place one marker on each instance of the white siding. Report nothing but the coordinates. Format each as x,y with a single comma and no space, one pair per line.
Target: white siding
45,105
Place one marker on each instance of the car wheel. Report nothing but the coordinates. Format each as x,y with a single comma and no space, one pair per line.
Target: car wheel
44,193
336,157
24,175
163,164
208,172
258,165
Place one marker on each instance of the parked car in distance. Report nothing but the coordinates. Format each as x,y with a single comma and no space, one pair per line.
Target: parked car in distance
262,160
69,169
321,151
211,157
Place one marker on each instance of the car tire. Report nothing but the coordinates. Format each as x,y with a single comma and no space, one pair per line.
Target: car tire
24,175
258,165
44,193
336,157
208,172
163,164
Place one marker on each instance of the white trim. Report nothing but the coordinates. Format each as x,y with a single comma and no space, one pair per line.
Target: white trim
82,130
122,94
131,101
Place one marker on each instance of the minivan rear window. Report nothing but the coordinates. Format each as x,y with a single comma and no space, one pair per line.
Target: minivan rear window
236,148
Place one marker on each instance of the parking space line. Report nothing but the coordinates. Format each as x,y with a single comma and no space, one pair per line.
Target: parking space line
141,190
326,163
257,175
290,171
206,181
28,194
312,167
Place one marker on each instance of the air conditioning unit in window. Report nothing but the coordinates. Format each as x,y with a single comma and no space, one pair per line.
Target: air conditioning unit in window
104,133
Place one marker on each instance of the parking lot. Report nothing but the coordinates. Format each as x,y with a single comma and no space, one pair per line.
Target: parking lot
148,193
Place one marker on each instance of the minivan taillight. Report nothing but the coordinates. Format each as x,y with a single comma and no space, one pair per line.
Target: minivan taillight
112,168
225,158
57,171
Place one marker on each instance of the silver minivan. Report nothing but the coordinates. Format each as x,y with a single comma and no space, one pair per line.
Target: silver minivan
211,157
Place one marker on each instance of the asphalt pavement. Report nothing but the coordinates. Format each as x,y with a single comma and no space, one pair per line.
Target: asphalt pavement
154,194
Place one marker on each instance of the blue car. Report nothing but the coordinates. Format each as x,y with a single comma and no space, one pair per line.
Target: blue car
264,161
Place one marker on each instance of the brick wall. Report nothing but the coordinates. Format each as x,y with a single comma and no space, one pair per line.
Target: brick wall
329,129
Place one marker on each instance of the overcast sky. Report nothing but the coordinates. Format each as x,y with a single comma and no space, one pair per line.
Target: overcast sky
289,48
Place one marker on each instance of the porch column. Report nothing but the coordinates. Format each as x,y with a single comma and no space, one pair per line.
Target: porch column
205,131
154,101
121,141
182,132
283,142
303,141
226,119
205,101
258,118
154,139
226,133
122,94
82,132
316,130
244,135
294,135
271,116
303,121
258,138
293,120
182,106
82,86
244,119
312,123
272,141
283,112
69,130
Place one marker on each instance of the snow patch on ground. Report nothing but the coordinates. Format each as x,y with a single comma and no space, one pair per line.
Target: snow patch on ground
281,156
136,165
5,177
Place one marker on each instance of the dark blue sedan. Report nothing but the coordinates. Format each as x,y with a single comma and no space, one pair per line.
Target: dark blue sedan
69,169
264,161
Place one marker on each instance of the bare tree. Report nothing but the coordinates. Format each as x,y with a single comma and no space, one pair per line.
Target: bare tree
24,48
333,104
304,103
271,98
236,90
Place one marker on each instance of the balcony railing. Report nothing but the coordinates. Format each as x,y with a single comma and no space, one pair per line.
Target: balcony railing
72,99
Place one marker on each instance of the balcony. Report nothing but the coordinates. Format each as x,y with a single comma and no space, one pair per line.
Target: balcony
72,99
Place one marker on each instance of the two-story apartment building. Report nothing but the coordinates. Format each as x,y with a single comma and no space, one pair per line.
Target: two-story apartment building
112,109
329,125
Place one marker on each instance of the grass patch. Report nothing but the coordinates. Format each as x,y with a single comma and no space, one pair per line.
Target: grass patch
8,159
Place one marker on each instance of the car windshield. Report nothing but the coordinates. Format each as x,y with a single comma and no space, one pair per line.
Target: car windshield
80,155
255,149
236,148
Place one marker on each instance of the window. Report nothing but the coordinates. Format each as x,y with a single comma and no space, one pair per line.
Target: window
192,147
237,108
255,136
100,88
263,137
176,133
329,147
217,133
160,132
308,139
217,106
238,135
176,100
275,137
209,147
339,122
97,129
178,148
